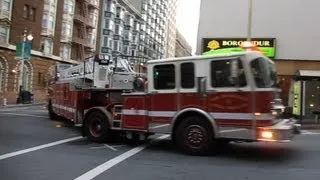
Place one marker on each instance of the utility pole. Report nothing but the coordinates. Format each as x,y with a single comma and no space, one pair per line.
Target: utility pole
25,38
249,20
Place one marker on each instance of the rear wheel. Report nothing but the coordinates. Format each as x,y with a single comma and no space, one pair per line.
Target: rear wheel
97,127
195,136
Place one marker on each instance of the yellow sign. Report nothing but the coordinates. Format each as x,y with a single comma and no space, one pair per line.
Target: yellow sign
296,98
213,44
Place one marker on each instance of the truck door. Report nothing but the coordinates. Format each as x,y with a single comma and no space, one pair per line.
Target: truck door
192,92
229,97
163,96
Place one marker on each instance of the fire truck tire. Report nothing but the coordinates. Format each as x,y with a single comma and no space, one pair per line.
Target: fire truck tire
96,127
195,136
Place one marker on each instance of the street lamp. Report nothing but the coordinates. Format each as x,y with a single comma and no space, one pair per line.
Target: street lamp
26,37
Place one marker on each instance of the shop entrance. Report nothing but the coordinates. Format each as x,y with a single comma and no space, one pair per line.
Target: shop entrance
305,96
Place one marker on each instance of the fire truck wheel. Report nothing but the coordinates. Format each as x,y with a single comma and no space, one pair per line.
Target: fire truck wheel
194,135
96,127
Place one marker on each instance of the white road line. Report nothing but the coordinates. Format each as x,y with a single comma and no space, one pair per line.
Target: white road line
110,147
104,146
109,164
13,109
8,155
306,132
30,115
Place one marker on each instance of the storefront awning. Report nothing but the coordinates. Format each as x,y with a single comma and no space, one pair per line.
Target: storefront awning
307,75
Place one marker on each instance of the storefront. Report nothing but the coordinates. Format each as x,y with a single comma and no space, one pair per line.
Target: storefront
305,95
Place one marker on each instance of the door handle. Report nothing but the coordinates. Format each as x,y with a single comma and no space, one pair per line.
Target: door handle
154,92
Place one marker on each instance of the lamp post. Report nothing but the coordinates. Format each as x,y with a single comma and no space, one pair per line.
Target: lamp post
249,20
25,38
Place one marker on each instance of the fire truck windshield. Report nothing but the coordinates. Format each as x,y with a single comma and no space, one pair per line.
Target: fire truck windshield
264,73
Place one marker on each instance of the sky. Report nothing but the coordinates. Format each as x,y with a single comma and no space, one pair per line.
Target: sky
187,20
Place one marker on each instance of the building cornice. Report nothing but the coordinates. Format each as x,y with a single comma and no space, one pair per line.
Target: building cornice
41,54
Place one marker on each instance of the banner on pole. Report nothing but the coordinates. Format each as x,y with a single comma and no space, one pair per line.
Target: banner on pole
27,50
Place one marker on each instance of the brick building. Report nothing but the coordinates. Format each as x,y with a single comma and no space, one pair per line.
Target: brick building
63,31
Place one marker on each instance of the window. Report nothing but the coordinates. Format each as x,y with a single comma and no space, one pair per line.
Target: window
264,73
105,41
118,12
68,6
6,5
164,77
32,14
29,12
109,24
66,29
65,51
125,50
51,22
111,7
221,74
48,21
46,46
3,34
116,45
25,11
187,75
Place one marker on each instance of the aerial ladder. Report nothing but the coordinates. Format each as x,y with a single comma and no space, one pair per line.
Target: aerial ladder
100,71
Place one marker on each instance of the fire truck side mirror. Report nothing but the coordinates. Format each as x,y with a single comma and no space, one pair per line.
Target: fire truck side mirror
202,85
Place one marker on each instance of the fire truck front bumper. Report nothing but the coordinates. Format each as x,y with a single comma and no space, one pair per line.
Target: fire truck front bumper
282,131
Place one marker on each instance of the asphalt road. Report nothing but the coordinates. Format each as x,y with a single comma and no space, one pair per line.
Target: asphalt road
33,147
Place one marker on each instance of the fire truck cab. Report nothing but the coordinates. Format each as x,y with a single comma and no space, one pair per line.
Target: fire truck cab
199,100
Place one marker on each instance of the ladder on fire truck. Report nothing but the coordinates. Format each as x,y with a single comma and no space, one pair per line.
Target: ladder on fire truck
87,73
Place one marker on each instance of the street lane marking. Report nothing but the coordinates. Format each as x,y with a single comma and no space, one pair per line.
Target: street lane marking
305,132
104,146
30,115
109,164
9,155
13,109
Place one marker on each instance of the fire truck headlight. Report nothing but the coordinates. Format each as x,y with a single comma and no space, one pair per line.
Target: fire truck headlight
267,134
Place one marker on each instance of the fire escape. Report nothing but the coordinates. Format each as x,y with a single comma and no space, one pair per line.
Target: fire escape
83,24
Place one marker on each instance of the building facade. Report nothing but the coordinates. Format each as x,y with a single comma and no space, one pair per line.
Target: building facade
134,28
286,34
171,36
182,47
54,25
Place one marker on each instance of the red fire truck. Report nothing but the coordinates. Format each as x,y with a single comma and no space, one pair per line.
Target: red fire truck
199,100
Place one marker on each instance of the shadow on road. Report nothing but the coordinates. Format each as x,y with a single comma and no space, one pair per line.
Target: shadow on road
251,152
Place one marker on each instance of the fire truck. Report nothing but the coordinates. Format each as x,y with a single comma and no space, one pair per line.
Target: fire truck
201,101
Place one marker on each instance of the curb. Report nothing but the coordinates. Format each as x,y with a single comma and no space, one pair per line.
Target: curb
22,105
310,126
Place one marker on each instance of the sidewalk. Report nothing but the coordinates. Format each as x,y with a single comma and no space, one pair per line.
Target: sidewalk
22,105
310,126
